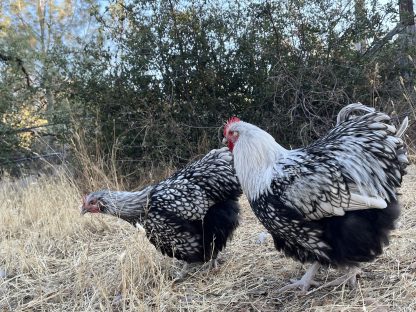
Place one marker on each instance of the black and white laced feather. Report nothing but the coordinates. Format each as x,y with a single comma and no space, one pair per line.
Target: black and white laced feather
190,215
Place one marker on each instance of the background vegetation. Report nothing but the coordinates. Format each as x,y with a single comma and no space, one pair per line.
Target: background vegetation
118,93
133,86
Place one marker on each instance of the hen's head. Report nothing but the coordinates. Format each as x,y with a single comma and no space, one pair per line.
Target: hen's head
95,202
129,206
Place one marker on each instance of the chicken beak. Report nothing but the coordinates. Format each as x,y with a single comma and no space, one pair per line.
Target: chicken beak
83,210
224,141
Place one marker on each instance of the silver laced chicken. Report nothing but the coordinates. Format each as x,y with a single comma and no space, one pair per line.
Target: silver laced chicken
333,202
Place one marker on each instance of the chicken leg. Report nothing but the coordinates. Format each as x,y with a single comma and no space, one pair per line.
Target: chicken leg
350,277
207,266
306,281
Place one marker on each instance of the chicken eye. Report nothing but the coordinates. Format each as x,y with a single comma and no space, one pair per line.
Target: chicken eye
235,133
92,202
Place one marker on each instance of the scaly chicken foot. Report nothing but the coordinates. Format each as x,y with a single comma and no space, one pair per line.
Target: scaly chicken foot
306,281
350,277
186,269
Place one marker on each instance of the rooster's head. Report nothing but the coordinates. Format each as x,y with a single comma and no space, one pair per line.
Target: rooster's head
231,134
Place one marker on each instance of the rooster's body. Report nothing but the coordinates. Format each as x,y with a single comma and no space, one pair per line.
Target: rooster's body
333,202
189,216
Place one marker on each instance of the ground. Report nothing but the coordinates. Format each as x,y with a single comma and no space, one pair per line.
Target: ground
52,259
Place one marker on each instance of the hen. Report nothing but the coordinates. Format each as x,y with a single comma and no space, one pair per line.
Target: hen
333,202
189,216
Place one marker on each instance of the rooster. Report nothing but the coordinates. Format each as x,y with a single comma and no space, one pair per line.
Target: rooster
189,216
333,202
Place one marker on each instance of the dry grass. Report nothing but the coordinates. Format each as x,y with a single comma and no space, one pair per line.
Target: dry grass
56,260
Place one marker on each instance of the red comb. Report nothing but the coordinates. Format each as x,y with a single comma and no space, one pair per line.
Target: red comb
229,122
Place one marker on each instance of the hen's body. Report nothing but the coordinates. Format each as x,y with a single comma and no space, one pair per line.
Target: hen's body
333,202
189,216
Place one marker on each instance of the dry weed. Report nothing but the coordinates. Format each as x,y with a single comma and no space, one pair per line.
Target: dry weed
52,259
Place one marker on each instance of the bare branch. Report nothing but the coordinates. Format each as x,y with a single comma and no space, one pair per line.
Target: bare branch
32,158
378,45
27,129
19,62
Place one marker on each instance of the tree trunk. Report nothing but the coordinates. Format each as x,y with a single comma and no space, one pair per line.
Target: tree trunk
46,78
407,38
407,19
407,15
360,18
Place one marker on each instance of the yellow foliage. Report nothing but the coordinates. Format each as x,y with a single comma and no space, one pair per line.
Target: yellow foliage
5,22
33,41
25,118
18,6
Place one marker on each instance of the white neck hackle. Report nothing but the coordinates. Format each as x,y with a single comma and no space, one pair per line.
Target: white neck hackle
255,155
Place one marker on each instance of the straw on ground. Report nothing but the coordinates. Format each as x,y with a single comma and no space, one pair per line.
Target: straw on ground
52,259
